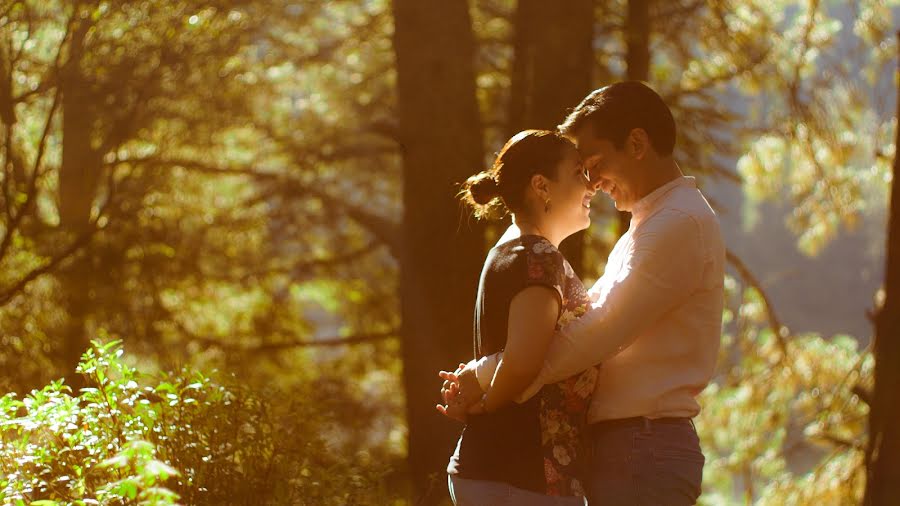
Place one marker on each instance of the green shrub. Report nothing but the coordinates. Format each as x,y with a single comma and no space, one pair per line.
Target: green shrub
184,438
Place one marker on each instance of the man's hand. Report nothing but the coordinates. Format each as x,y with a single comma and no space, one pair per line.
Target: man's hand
449,390
454,407
459,392
468,385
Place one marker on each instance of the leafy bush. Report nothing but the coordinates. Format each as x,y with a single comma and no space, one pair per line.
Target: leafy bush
129,438
783,423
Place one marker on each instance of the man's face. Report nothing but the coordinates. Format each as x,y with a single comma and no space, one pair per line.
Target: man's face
612,170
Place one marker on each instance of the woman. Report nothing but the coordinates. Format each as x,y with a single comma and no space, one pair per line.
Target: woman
528,453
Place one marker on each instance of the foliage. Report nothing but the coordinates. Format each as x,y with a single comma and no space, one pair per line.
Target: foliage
129,438
243,185
213,176
821,129
783,423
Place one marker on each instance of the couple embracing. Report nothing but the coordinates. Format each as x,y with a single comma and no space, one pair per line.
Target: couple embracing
582,394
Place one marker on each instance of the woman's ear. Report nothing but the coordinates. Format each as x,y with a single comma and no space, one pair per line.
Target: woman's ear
540,186
637,143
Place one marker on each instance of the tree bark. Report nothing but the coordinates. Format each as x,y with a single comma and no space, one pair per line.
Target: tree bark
553,59
637,34
883,453
79,177
637,61
442,250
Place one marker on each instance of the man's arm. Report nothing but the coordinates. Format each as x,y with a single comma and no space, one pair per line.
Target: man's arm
665,266
503,376
484,369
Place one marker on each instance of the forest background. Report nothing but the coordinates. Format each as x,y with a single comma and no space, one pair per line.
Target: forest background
232,261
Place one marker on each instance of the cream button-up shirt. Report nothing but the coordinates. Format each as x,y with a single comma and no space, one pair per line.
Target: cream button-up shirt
655,323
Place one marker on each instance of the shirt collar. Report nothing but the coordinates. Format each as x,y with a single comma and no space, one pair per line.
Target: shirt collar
644,206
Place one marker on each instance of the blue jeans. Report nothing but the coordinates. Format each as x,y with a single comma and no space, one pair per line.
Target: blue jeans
644,463
465,492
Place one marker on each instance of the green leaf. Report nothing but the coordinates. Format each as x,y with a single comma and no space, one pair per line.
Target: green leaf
128,487
166,387
117,461
159,470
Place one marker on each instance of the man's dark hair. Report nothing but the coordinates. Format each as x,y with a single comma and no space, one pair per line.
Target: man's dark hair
615,110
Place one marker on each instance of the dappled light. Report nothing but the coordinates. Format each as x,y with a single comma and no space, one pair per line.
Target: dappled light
233,255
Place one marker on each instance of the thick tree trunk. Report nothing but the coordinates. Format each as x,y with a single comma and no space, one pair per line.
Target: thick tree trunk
637,61
883,454
79,177
443,250
553,58
637,33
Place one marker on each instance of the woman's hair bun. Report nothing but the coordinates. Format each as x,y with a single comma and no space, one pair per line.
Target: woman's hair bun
482,187
502,189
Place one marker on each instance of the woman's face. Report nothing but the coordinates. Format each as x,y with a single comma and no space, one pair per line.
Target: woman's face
570,194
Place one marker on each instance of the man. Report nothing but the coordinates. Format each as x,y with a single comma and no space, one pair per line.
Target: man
655,323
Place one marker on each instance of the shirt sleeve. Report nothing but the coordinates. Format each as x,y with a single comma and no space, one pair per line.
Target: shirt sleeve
485,367
664,267
544,266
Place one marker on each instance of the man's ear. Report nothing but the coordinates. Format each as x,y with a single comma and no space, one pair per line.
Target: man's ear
638,143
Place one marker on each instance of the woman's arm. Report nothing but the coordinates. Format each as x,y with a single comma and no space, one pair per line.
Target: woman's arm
533,314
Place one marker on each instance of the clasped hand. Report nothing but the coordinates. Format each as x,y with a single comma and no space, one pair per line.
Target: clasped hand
461,394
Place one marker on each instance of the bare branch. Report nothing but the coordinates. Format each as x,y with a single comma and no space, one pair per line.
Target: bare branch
306,265
840,442
778,329
330,342
82,241
31,194
382,228
263,347
79,243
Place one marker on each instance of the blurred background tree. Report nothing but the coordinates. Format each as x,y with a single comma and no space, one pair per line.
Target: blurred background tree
266,188
884,444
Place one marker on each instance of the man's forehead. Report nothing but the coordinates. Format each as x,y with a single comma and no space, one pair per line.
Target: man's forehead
587,143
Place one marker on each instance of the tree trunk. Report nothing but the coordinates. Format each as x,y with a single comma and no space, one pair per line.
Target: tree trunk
553,58
79,177
442,250
883,453
637,34
637,60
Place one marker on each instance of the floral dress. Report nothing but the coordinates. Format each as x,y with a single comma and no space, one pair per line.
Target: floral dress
563,405
534,445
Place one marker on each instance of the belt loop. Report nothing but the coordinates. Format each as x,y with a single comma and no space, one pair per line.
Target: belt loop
647,428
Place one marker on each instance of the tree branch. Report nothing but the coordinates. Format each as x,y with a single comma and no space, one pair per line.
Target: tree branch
778,329
80,242
73,248
31,194
263,347
382,228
